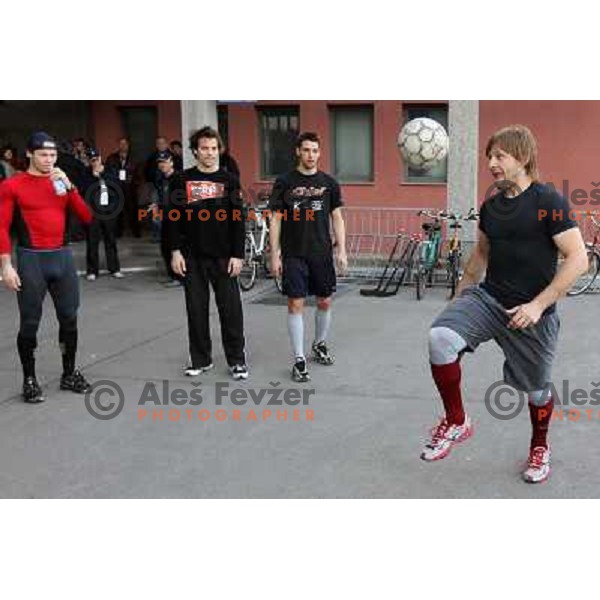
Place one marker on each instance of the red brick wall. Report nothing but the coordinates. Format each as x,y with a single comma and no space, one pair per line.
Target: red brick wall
106,122
387,190
568,139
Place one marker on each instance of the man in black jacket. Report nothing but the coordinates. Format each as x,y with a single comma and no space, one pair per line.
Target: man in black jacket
75,171
207,241
104,197
159,207
177,151
121,163
151,171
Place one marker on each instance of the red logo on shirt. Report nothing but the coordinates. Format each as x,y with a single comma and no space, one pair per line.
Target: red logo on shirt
204,190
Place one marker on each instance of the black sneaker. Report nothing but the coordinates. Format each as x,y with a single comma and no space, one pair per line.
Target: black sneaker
32,392
321,354
192,371
173,283
239,372
299,371
75,382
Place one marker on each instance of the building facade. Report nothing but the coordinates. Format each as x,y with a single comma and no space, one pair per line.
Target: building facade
359,141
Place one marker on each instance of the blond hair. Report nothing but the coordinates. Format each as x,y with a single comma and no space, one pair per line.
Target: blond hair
519,142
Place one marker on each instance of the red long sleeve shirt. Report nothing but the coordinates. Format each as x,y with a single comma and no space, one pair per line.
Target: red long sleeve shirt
38,212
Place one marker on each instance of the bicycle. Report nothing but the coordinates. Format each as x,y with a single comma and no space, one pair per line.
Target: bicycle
586,281
455,246
256,253
428,252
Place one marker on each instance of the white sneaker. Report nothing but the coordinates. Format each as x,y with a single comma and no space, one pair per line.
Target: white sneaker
444,436
91,277
192,371
538,465
118,275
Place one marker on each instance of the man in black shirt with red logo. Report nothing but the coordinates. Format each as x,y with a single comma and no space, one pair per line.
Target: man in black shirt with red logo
206,231
303,203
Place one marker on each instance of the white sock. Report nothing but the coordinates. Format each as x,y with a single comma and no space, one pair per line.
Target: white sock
322,324
296,331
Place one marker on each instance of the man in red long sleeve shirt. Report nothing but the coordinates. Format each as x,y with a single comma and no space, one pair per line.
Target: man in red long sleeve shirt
37,203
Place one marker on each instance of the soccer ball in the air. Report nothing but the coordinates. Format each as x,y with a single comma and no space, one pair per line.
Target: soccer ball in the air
423,143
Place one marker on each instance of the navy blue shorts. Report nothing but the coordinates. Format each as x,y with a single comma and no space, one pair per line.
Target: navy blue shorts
308,276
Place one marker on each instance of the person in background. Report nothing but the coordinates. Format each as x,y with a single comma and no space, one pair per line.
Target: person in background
103,194
8,163
121,163
75,171
151,171
169,178
177,150
228,163
80,151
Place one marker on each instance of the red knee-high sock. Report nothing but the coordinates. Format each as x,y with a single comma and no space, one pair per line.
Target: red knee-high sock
447,380
540,422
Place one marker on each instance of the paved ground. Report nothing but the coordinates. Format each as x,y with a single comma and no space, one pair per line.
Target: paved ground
371,410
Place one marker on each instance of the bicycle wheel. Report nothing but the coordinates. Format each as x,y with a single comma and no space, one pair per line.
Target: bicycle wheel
420,281
266,264
453,272
585,282
266,259
247,275
279,284
410,262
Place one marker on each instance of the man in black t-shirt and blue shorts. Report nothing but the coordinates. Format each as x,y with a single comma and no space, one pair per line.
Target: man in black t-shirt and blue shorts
522,228
303,203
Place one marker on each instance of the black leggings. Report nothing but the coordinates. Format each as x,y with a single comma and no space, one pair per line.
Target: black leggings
42,271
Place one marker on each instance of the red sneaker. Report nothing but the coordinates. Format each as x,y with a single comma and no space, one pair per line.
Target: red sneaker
538,465
444,436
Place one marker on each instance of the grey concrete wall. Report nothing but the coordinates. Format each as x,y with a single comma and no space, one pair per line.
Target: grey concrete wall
194,115
463,119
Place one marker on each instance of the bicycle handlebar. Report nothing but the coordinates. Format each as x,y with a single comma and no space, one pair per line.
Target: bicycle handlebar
442,215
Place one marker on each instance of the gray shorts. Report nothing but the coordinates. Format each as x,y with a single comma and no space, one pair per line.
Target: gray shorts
529,353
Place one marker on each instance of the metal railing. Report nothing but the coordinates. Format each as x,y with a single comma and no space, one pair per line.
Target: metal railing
371,233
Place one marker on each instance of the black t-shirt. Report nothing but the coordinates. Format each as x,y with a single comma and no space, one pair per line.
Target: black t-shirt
210,220
306,202
523,255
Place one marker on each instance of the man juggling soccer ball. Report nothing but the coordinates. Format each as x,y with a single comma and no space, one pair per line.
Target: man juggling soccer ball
522,229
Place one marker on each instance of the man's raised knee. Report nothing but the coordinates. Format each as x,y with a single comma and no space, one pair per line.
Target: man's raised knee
444,345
